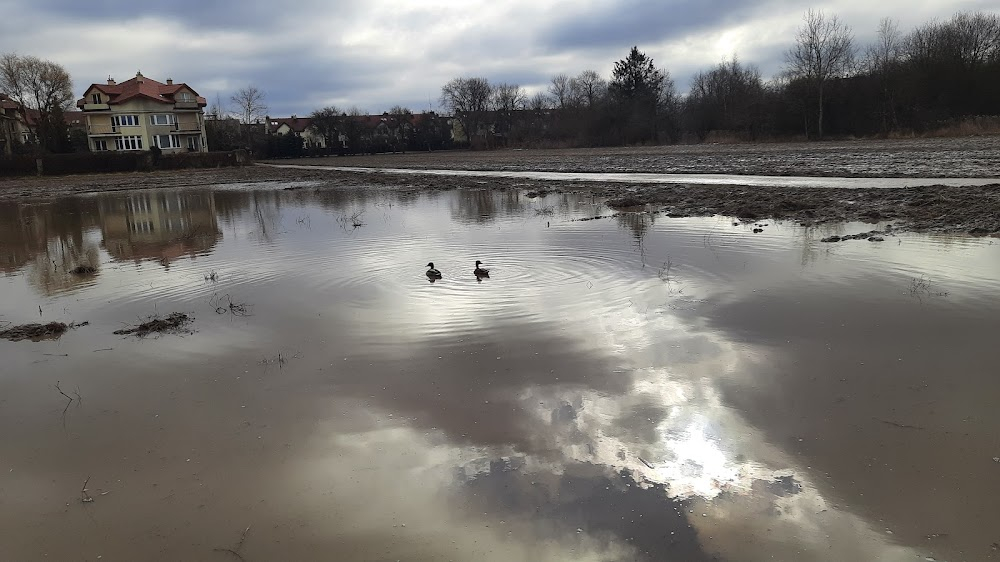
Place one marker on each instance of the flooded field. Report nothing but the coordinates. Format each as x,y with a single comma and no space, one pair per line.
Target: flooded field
629,387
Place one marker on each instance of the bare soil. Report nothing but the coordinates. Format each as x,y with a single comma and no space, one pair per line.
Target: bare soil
157,325
973,209
967,157
35,332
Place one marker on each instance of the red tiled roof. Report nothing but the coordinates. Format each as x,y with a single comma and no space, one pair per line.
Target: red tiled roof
296,124
143,87
74,118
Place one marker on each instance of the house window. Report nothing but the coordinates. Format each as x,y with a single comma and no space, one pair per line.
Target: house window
126,120
185,96
96,98
165,119
192,143
128,143
100,145
166,141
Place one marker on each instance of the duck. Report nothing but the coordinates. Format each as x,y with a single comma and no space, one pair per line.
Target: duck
433,273
480,272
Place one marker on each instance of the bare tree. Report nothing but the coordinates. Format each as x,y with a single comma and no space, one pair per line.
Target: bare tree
559,88
249,104
589,87
326,123
881,60
539,102
250,108
824,50
36,85
218,110
726,98
401,123
468,99
507,100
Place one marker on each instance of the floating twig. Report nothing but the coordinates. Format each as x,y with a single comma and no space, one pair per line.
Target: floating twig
235,551
84,494
899,425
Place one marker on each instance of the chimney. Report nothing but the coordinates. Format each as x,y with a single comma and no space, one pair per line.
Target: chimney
170,81
138,77
111,81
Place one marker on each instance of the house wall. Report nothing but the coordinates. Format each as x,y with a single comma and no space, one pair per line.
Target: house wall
310,138
8,128
190,124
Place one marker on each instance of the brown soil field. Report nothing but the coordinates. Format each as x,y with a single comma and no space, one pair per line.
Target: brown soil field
967,157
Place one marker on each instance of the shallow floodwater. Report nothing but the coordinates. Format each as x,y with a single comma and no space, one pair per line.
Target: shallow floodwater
627,388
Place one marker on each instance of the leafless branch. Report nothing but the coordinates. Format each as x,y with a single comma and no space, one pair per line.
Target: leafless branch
235,551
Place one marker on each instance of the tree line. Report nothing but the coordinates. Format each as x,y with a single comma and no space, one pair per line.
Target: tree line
935,76
342,131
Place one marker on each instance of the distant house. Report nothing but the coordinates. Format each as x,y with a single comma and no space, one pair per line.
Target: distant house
9,124
16,128
371,133
141,113
301,126
13,128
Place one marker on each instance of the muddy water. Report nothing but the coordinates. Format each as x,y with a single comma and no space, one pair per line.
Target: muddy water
631,387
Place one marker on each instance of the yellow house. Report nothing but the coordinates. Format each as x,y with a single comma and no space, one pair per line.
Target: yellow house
141,113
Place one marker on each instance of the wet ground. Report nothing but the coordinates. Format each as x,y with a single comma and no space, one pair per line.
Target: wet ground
972,157
634,387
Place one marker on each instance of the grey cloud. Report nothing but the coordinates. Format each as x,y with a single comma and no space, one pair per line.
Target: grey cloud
362,53
629,22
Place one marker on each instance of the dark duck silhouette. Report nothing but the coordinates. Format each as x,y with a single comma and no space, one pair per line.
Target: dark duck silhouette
480,272
433,273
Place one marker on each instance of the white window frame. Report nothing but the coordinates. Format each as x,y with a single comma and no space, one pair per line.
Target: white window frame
173,141
185,96
96,98
192,143
128,143
168,119
126,120
100,145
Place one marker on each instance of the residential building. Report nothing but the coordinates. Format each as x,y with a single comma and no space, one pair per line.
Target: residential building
301,126
141,113
13,130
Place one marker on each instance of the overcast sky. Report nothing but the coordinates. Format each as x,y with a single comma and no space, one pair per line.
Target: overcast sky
373,54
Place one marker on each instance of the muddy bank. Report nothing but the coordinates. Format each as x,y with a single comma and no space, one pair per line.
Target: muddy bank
970,157
174,323
973,210
38,332
34,332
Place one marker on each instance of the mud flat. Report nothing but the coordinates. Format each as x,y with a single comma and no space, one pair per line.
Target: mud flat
973,157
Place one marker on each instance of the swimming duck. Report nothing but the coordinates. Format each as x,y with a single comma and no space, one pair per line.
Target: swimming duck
480,272
433,273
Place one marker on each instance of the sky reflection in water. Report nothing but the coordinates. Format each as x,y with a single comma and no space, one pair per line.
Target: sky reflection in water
625,387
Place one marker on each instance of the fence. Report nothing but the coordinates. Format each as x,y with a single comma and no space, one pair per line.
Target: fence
105,162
